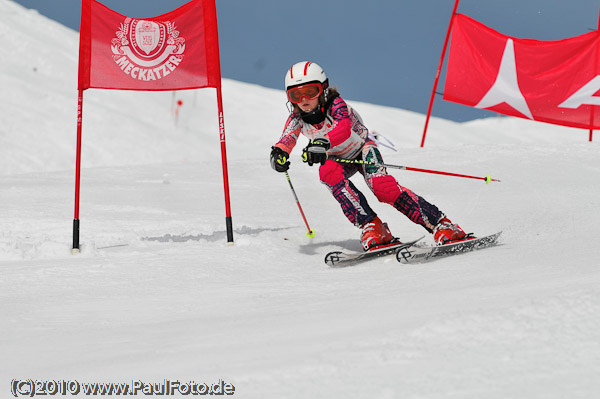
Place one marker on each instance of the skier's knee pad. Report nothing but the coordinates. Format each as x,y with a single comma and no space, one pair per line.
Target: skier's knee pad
331,173
385,188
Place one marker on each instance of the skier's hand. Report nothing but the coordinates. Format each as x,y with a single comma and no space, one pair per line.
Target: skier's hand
279,159
316,151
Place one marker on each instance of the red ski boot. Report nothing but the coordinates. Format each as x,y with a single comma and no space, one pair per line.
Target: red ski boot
375,234
445,232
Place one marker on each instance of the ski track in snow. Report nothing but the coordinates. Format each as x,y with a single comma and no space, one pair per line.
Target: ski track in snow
156,293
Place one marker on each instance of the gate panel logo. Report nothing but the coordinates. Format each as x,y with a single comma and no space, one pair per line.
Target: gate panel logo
147,37
147,50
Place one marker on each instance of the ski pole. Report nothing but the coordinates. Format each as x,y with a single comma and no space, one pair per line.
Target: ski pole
309,233
487,178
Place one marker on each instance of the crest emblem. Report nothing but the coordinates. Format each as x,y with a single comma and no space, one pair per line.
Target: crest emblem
147,50
147,37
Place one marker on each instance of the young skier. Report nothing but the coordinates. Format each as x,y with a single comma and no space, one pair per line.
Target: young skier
336,130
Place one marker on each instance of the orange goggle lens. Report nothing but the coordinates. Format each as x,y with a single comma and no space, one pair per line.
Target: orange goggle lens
310,91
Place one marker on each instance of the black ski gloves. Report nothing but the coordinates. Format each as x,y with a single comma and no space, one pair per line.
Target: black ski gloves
279,159
316,151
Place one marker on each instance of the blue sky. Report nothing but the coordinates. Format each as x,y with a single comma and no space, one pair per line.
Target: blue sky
378,51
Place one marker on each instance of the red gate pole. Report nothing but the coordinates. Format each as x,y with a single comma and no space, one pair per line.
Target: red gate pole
77,172
439,70
592,107
228,220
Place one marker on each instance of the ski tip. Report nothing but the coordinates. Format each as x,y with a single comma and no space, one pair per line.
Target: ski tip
333,258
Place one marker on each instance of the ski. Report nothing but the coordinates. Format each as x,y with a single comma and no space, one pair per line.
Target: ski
425,254
343,259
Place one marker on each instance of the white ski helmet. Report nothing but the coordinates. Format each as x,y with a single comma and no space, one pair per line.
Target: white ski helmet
305,72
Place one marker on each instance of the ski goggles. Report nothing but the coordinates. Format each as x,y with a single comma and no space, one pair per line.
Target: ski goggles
310,91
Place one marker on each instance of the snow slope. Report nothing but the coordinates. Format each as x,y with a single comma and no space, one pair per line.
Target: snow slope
157,294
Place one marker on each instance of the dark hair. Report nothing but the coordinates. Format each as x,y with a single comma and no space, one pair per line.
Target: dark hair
332,92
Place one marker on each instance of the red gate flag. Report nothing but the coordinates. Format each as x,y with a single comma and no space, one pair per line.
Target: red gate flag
176,50
547,81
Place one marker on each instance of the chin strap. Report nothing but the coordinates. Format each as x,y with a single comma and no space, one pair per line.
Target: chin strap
318,115
289,106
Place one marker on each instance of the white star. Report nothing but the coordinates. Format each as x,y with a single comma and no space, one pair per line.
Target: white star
506,87
585,95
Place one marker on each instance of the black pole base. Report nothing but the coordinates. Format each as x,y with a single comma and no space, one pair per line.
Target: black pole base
229,224
75,249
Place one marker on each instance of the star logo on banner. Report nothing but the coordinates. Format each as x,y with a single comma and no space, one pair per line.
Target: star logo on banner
585,95
506,87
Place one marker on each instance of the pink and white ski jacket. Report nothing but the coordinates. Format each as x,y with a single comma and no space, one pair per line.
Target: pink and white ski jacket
343,127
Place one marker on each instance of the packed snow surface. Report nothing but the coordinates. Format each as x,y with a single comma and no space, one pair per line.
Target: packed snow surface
156,293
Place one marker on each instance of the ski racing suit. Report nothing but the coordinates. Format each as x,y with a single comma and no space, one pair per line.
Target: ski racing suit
349,140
